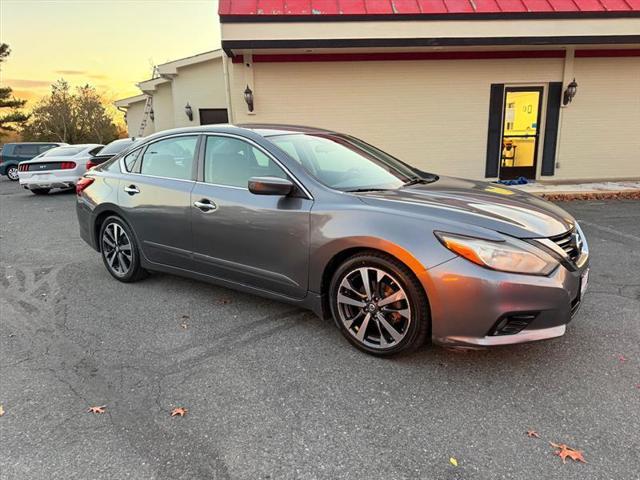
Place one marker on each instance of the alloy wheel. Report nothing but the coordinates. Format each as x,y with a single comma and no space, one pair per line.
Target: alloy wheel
117,249
12,173
373,307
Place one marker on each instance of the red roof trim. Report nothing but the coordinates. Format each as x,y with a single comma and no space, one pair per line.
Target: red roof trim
461,55
373,8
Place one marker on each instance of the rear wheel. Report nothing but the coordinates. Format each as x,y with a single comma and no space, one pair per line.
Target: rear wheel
120,252
379,304
12,173
40,191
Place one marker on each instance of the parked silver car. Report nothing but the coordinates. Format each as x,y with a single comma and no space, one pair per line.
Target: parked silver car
59,167
325,221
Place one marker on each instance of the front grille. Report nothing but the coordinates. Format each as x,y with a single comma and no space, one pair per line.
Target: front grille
569,243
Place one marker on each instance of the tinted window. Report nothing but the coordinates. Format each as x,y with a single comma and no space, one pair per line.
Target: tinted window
130,160
344,163
44,148
27,150
229,161
63,151
170,158
116,146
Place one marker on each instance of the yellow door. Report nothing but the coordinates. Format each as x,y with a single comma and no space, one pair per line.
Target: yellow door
520,132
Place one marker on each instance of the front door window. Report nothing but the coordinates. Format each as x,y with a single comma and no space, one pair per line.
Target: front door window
520,132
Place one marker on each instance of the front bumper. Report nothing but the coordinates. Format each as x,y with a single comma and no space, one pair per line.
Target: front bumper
470,304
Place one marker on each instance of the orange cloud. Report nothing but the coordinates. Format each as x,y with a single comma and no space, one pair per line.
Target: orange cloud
26,83
71,72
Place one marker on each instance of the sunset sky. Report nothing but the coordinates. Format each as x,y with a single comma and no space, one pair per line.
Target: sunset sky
110,44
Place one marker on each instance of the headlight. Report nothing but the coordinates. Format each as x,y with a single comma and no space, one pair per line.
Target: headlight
511,255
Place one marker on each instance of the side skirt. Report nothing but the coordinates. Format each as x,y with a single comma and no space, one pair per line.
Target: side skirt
312,301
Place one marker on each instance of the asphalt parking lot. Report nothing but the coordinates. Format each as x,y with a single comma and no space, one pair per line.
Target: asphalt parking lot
273,392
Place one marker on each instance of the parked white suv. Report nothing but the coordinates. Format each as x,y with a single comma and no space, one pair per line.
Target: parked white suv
59,167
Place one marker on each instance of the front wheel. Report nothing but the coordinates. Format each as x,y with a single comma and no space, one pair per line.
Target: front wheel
12,173
379,304
120,252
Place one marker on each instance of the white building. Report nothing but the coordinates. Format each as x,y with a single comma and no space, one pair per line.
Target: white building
185,92
484,89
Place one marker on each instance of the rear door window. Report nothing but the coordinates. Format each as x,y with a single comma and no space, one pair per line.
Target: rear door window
170,158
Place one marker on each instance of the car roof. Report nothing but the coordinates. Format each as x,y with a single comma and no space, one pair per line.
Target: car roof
262,129
60,144
271,129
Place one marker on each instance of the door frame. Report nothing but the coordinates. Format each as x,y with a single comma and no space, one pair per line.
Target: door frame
532,171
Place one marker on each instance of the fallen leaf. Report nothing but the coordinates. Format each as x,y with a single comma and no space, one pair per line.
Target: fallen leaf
453,461
1,410
622,358
565,452
179,412
532,434
97,409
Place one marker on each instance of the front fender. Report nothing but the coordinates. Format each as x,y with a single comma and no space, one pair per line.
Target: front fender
408,239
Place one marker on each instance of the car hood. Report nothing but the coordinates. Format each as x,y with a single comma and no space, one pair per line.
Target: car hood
482,204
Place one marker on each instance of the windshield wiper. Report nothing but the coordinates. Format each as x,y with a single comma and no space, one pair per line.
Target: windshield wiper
356,190
417,180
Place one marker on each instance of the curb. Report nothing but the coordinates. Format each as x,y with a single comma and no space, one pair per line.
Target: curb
592,195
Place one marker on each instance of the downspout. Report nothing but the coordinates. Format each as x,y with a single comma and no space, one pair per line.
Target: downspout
227,84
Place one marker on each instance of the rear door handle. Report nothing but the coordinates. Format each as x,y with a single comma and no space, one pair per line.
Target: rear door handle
131,189
205,205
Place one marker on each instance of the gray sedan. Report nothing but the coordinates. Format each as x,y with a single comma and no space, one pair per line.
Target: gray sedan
323,220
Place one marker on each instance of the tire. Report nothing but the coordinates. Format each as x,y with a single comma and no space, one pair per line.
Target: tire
395,304
119,251
12,173
40,191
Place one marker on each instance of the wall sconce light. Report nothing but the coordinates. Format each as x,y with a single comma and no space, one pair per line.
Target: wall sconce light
570,92
248,97
152,115
188,111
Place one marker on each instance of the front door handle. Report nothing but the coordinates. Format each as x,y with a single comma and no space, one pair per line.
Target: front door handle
131,189
205,205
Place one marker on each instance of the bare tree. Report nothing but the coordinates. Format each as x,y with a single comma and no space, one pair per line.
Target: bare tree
72,117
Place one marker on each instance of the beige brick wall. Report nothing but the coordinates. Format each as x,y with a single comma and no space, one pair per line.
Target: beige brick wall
202,86
434,114
163,107
135,112
600,136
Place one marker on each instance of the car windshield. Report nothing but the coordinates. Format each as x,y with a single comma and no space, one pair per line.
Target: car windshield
116,146
345,163
62,152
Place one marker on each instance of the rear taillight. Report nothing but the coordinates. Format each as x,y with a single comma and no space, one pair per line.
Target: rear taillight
83,183
91,164
23,167
67,165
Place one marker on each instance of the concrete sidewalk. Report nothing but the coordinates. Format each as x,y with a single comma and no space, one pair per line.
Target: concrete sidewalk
594,190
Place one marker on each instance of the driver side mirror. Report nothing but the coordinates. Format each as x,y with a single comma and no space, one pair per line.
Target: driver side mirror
270,186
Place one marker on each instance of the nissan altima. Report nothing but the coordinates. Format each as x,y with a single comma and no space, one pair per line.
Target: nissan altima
396,256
